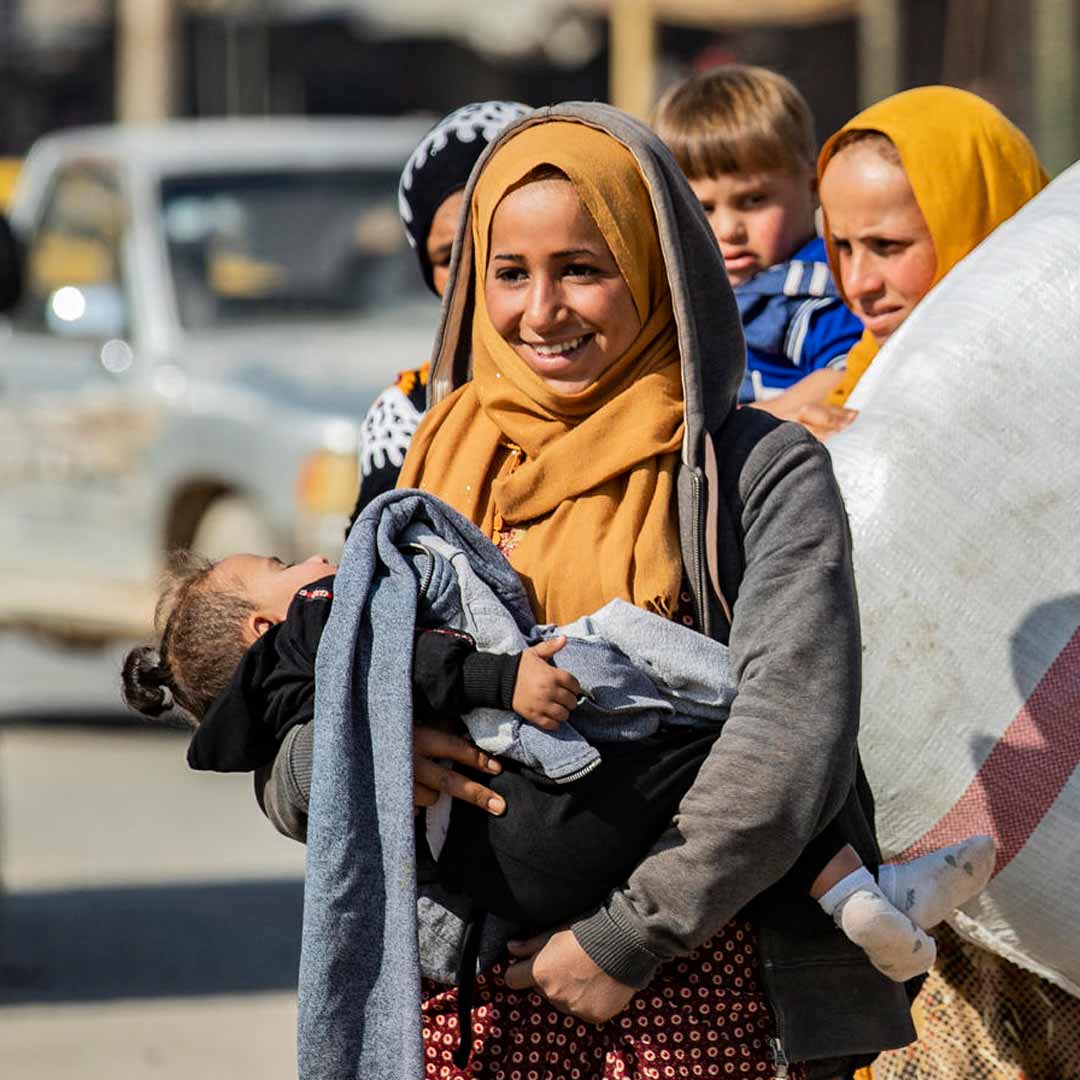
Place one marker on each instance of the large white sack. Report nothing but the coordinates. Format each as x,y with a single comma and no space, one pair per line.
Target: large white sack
963,487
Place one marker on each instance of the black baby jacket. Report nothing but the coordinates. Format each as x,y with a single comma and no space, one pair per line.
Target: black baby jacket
273,687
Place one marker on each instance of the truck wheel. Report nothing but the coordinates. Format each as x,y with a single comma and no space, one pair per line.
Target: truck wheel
232,524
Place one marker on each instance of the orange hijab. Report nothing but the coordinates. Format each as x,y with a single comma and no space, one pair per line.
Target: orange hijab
969,167
578,487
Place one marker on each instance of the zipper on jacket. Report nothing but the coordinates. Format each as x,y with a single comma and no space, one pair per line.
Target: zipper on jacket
776,1042
698,590
429,573
579,773
779,1059
702,611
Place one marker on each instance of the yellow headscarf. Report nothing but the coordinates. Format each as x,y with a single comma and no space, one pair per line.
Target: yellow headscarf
581,486
969,167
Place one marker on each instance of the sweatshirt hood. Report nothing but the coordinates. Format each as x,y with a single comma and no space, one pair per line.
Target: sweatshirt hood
710,339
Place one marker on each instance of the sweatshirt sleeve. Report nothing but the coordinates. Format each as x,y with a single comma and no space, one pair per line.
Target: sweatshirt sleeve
450,676
786,758
283,788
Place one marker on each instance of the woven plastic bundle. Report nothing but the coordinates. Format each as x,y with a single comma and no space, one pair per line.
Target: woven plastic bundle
964,497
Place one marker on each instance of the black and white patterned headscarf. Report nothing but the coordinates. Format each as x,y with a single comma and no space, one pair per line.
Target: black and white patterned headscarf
441,164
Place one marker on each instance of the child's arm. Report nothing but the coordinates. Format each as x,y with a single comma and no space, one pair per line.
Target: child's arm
450,677
804,403
809,390
832,333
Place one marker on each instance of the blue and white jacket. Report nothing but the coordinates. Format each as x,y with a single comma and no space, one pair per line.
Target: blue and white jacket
794,321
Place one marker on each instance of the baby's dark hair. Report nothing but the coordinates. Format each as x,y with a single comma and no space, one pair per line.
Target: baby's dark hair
200,627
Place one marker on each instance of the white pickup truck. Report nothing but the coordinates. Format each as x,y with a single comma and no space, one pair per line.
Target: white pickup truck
209,307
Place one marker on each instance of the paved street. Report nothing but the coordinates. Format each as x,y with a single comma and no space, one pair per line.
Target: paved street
149,925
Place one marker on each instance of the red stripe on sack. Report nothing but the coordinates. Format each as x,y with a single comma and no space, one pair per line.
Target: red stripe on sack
1025,771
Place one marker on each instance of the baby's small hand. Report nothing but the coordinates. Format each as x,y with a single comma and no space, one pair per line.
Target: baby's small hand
824,421
543,694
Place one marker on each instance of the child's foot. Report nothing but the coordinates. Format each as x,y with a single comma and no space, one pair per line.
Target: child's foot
894,944
927,889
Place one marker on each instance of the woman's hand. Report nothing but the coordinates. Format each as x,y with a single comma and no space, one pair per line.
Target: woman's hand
430,778
544,694
557,966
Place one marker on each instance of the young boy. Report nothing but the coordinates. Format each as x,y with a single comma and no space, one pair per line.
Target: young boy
744,137
238,649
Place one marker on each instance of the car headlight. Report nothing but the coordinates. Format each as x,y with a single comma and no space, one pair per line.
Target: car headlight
327,482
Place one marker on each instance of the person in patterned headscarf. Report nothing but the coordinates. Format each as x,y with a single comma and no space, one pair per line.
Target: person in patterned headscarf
430,198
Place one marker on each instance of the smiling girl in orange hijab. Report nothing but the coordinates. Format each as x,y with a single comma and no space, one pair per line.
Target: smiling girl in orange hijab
908,188
591,471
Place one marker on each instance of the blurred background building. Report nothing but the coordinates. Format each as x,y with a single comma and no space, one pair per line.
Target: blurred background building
64,62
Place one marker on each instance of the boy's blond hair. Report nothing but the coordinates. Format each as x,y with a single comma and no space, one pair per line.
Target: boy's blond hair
737,119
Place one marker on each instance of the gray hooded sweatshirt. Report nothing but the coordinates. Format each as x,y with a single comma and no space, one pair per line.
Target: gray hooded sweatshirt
764,538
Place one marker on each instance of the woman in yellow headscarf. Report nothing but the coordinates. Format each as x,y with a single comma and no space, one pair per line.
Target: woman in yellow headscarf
583,391
908,188
540,432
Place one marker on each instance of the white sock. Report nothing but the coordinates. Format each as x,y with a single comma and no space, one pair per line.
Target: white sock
893,943
857,879
927,889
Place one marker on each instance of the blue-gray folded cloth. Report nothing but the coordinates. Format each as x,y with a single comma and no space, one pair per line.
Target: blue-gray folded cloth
411,557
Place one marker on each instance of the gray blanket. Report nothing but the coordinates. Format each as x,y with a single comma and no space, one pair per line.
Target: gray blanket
408,553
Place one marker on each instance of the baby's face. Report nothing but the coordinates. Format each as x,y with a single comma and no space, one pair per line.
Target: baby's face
271,584
759,220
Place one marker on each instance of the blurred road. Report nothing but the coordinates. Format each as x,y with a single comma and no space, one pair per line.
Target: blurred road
150,919
41,679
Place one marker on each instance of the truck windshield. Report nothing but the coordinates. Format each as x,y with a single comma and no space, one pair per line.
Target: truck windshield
272,245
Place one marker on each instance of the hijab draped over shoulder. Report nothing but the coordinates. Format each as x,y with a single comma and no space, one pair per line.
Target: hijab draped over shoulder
969,168
577,488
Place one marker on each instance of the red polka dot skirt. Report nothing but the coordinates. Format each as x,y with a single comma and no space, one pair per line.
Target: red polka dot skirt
703,1016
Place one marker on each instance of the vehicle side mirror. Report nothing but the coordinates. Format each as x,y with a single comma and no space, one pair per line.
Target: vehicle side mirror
10,267
98,312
